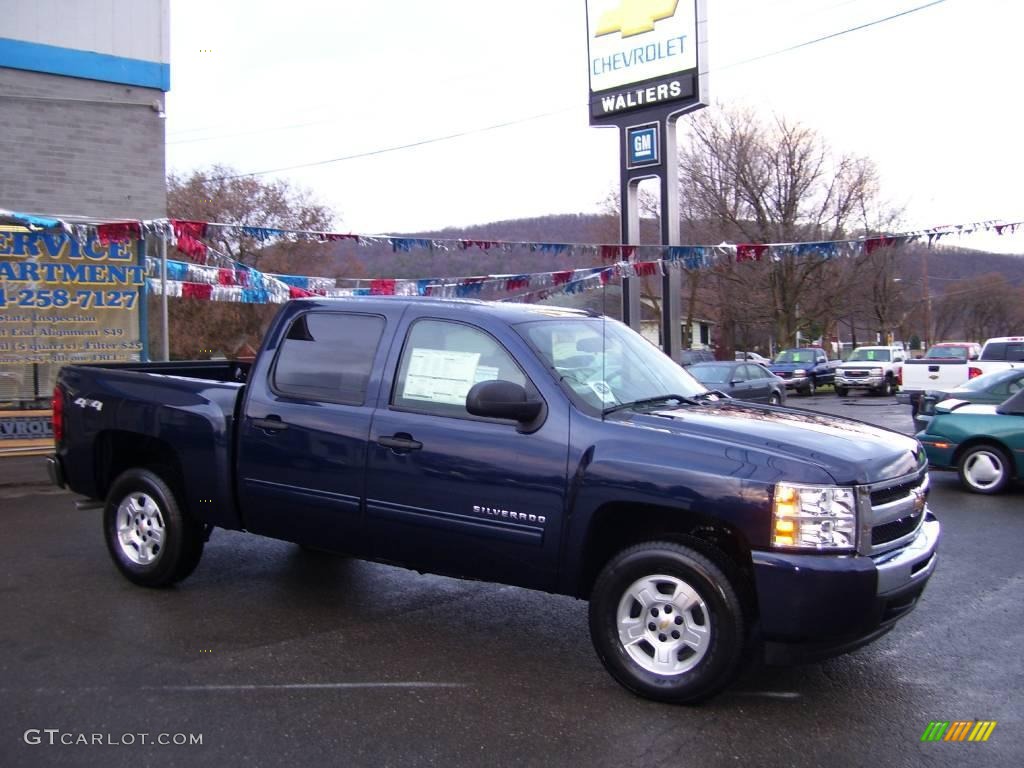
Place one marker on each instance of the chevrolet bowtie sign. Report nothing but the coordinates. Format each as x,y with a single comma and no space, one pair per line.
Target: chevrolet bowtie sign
643,53
632,17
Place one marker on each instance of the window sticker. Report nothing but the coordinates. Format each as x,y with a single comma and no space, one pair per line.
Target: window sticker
485,373
603,391
442,376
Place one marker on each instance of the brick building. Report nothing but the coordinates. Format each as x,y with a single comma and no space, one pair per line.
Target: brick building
82,88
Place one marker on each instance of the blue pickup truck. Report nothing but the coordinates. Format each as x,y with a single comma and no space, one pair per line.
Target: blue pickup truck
804,369
547,448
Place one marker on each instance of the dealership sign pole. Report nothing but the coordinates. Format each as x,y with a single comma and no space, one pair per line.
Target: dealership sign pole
648,65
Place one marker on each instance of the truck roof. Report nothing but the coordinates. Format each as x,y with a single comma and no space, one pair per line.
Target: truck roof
509,312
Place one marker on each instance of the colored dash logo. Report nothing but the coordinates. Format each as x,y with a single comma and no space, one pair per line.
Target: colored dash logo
958,730
634,17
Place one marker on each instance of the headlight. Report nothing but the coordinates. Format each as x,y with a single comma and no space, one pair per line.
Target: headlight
814,517
799,372
876,371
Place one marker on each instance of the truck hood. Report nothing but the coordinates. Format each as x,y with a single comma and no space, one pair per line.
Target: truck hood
789,367
850,451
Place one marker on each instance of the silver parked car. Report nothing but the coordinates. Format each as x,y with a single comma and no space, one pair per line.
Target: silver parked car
744,381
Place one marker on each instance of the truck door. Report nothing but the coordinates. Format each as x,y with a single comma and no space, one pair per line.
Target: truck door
453,493
302,437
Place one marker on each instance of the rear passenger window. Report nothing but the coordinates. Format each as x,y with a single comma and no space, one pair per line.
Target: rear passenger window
1010,351
328,356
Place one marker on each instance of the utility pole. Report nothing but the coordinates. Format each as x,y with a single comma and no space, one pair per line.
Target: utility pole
926,287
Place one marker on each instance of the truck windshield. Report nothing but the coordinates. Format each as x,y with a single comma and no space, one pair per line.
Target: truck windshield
795,356
947,353
877,355
603,363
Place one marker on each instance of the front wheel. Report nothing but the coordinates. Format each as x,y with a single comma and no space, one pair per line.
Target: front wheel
811,388
775,399
149,539
889,388
984,469
842,391
667,623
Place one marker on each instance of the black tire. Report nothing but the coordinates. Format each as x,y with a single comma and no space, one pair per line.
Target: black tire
775,399
889,388
842,391
701,672
140,505
985,468
810,389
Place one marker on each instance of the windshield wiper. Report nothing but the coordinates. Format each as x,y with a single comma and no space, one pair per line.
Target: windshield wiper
650,401
712,394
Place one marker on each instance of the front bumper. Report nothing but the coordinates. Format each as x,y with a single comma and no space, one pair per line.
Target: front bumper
940,451
861,382
816,606
796,382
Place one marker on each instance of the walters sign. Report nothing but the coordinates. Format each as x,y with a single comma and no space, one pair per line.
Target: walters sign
644,53
62,301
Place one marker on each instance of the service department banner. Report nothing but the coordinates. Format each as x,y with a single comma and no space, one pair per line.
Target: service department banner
62,301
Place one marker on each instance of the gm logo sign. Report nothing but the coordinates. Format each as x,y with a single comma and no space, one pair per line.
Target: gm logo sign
642,145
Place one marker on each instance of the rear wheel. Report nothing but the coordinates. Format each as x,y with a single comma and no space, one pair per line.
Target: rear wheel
985,469
151,541
667,623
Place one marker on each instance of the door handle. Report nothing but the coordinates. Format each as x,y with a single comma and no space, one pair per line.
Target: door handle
400,442
270,424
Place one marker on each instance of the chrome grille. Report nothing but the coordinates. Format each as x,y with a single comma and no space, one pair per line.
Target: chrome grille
894,512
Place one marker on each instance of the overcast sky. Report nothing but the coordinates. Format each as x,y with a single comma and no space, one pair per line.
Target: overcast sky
933,97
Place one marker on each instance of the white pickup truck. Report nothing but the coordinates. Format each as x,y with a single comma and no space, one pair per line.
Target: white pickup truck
948,365
873,369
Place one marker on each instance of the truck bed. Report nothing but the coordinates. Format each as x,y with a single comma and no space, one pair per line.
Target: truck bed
120,411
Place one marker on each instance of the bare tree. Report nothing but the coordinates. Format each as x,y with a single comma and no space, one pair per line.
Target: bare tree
217,194
980,307
760,180
197,329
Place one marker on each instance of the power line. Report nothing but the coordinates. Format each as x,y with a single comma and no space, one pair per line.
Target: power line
461,134
833,35
395,148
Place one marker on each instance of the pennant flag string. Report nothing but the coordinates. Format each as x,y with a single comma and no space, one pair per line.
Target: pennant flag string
188,235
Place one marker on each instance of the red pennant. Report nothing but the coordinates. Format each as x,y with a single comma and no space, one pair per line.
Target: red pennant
750,252
872,244
561,278
200,291
118,232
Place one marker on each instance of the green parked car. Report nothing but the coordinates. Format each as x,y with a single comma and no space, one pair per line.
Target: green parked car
992,388
984,443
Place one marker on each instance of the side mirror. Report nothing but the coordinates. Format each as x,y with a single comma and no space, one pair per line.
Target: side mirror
820,361
502,400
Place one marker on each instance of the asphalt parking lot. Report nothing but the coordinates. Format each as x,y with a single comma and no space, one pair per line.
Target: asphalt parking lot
276,656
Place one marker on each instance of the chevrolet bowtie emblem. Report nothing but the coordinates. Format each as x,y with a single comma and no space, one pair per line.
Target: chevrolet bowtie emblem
634,17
